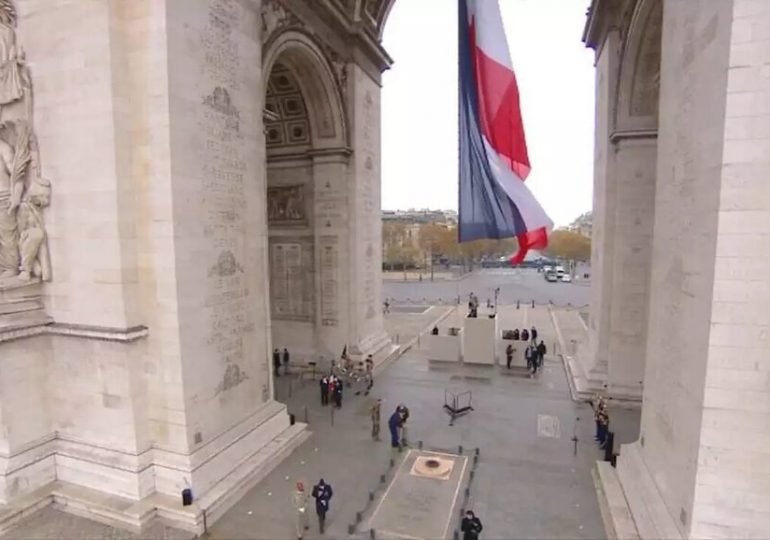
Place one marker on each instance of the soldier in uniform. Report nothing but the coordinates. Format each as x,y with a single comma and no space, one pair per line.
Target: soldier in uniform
375,412
509,355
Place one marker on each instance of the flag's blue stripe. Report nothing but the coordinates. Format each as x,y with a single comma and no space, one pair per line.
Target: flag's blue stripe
485,210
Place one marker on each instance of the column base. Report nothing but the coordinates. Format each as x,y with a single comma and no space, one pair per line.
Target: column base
631,504
133,491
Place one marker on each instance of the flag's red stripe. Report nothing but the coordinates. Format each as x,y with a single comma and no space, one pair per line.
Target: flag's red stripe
537,239
500,113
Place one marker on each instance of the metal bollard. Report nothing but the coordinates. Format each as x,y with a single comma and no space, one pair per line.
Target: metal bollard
392,462
358,518
477,451
382,479
371,496
419,445
517,304
467,492
306,414
473,473
371,534
460,449
351,528
533,303
475,460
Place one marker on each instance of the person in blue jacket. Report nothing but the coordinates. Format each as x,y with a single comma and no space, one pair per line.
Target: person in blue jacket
394,422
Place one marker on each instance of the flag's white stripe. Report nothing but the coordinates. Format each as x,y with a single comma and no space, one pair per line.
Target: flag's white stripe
532,213
490,33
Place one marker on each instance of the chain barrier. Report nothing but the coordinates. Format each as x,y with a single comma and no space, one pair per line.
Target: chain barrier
453,301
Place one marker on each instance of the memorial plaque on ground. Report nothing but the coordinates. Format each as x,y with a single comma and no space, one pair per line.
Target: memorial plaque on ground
421,498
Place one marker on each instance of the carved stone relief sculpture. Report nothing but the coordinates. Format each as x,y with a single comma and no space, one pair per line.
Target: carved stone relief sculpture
24,193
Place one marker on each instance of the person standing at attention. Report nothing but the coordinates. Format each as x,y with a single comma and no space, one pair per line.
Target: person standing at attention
375,413
324,391
322,493
338,393
509,350
276,363
285,361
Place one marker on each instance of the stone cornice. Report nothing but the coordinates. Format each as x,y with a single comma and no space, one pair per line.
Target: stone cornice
633,134
102,333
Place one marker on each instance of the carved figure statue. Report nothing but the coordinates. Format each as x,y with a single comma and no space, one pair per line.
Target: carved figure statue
11,56
24,193
9,254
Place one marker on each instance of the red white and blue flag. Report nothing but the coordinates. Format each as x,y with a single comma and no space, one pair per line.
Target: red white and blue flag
494,201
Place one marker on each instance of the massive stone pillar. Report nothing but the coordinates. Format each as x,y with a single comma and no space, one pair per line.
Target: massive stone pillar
699,467
626,36
148,371
594,363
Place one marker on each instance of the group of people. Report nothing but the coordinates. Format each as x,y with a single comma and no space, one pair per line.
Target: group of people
322,493
331,386
533,354
602,419
277,362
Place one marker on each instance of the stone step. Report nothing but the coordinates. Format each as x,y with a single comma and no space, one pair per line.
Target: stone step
137,516
230,489
618,521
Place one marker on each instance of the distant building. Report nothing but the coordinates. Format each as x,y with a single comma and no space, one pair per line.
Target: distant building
583,224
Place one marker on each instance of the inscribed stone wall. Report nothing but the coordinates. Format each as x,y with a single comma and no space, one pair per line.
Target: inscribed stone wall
693,77
368,266
634,208
217,166
732,497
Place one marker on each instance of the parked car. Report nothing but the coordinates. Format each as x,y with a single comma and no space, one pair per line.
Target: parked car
551,277
566,278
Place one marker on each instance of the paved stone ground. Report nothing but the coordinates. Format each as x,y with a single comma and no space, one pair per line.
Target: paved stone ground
515,284
529,482
54,524
405,323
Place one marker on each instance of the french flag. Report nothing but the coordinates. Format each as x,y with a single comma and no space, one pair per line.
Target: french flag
494,201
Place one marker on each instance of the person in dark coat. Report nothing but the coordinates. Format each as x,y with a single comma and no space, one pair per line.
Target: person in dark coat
515,334
394,423
338,393
324,391
508,355
285,361
533,334
471,526
276,363
541,350
322,493
524,334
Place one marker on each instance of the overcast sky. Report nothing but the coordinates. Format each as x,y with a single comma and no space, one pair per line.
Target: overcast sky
419,103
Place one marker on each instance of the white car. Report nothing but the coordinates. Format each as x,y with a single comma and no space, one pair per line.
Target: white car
566,278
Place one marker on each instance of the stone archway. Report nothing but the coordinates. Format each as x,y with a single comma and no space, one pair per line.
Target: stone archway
306,143
628,80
